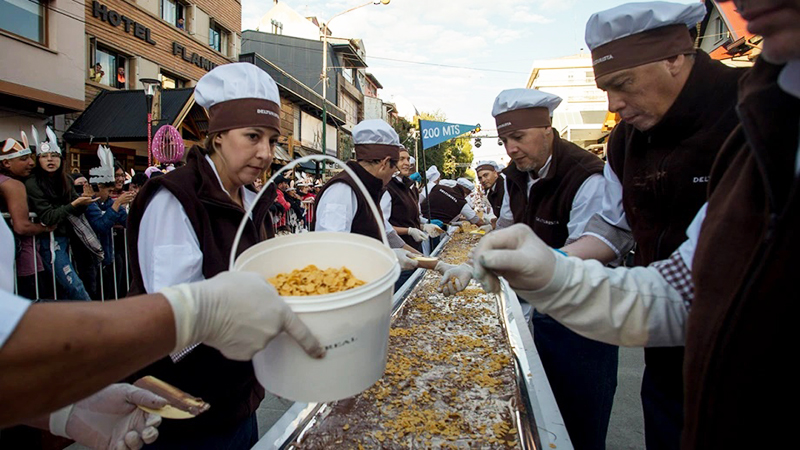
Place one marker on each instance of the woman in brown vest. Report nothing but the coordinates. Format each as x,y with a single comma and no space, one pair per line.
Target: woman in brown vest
182,228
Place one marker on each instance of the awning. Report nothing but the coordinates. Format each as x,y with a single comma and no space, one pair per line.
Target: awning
121,116
349,55
281,155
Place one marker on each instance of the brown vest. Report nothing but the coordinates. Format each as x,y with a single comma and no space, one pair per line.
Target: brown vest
229,386
405,208
445,203
496,193
546,209
741,334
364,221
664,171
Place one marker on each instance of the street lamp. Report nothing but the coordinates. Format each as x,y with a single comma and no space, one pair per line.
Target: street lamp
150,87
324,76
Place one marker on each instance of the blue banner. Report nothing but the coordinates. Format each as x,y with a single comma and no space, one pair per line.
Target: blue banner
437,132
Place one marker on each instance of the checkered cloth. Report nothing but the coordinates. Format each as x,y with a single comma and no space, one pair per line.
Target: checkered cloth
678,275
179,355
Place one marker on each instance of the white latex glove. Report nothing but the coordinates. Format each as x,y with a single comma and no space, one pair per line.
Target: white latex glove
516,254
405,258
109,419
432,230
417,235
238,313
487,228
454,278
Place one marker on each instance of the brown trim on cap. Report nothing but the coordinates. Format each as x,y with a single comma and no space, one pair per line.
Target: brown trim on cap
485,167
521,119
642,48
370,152
242,113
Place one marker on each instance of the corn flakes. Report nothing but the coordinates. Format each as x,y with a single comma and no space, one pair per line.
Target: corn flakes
311,280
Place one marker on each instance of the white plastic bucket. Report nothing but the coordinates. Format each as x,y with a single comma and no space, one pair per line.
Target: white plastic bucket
352,325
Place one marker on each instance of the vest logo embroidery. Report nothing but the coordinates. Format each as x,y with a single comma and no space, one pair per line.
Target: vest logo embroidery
700,179
448,195
545,221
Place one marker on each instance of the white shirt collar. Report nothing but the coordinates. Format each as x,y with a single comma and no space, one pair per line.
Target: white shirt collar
543,171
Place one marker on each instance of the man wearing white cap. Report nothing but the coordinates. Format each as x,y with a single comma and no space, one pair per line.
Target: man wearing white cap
729,280
553,186
493,183
677,108
181,229
342,207
448,200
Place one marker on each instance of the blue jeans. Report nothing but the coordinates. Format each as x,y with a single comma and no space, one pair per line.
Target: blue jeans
583,376
242,437
66,276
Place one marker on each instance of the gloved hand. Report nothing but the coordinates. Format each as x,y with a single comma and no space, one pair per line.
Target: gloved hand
417,234
238,313
487,228
415,177
438,223
432,230
404,257
109,419
454,278
516,254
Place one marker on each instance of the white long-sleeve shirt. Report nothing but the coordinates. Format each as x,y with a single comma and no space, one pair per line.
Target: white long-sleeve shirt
169,251
640,306
610,224
337,207
12,308
587,201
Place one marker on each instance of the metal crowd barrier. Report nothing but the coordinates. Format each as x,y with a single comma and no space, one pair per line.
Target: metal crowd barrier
99,266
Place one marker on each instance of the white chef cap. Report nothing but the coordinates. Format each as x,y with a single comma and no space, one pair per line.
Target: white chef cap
375,139
487,165
520,109
239,95
635,34
466,183
432,174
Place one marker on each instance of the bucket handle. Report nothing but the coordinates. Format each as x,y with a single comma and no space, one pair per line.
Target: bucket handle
375,212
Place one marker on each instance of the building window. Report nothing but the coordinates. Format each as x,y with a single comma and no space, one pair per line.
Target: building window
218,38
25,18
169,81
174,12
107,66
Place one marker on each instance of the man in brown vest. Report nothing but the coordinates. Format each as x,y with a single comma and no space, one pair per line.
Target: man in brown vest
342,207
734,271
677,108
493,183
553,186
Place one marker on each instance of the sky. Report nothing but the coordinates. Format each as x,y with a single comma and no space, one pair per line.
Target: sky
454,56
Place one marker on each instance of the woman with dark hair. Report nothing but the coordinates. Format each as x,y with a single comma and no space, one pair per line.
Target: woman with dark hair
181,229
53,198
